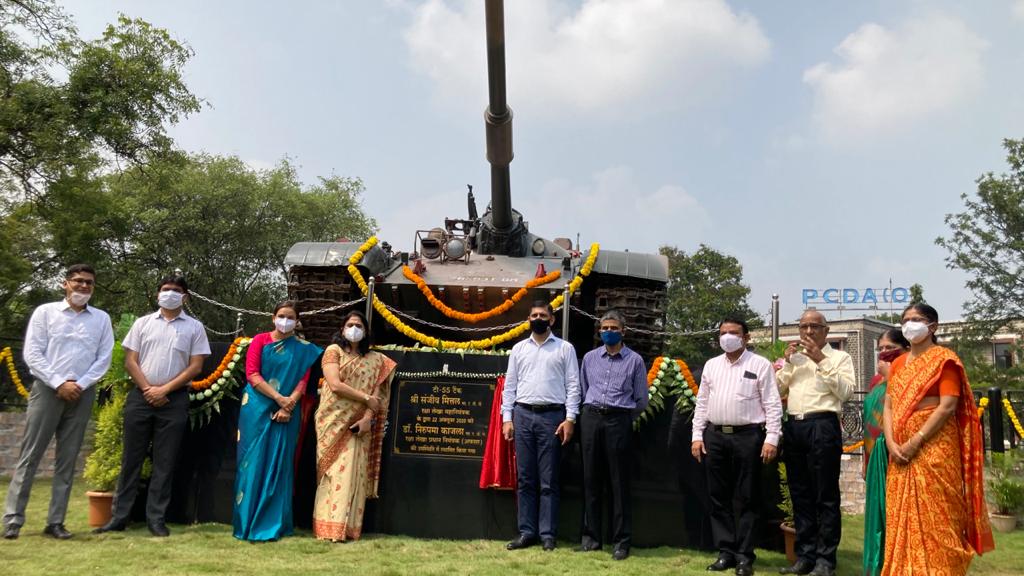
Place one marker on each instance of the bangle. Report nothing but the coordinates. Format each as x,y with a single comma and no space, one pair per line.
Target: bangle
921,434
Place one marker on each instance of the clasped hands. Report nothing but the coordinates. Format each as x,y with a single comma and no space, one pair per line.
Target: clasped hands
286,405
904,453
69,391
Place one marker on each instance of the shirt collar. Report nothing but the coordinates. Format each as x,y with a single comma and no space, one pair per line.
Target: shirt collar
158,316
622,353
65,305
551,336
742,357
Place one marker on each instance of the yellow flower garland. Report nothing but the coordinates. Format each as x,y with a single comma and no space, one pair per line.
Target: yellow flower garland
483,343
982,405
1013,417
478,316
8,356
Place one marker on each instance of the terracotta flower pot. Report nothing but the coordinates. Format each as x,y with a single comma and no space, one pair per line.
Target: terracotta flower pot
1002,522
789,534
100,507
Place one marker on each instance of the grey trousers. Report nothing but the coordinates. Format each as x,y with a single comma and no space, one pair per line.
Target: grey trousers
47,416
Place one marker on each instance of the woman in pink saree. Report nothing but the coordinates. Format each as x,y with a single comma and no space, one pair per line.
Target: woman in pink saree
349,430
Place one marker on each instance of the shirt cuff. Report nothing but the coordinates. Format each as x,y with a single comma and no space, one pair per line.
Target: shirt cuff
56,381
698,436
506,416
84,383
772,439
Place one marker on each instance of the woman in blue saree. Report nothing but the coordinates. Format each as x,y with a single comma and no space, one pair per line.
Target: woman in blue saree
277,369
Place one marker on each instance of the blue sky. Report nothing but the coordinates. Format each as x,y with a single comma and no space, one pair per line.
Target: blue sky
821,143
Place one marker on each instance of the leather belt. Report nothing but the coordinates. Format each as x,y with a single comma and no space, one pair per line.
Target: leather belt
541,407
599,409
727,429
814,415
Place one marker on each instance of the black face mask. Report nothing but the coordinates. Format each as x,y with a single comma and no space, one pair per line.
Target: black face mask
539,325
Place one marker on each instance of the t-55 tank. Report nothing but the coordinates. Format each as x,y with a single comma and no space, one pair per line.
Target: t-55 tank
475,264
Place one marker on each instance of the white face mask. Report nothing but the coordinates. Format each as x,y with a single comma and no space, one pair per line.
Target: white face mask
79,299
915,331
284,325
730,342
353,334
170,300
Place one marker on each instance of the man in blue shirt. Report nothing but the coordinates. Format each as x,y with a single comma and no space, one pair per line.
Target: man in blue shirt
614,384
538,410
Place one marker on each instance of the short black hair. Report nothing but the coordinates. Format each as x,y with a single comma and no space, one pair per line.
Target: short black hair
543,304
77,268
735,320
178,281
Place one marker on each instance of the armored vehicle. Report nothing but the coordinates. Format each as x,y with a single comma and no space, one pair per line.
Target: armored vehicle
475,264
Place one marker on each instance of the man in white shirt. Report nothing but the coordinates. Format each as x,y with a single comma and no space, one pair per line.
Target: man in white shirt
68,346
736,427
816,381
164,351
538,410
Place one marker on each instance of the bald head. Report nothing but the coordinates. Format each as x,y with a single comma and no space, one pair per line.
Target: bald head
814,327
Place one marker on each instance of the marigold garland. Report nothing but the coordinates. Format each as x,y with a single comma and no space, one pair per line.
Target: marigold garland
7,355
1013,417
478,316
982,405
853,447
665,380
233,355
483,343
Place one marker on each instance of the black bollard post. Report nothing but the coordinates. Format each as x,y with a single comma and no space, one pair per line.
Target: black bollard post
995,419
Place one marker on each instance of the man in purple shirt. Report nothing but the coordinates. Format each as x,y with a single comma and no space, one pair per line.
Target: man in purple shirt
614,385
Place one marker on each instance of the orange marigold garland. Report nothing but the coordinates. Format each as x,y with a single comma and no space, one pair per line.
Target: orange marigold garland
478,316
668,378
206,394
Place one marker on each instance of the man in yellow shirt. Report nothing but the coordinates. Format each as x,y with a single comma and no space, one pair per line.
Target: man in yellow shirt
815,380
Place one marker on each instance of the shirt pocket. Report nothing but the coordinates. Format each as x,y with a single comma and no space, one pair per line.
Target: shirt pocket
748,391
182,343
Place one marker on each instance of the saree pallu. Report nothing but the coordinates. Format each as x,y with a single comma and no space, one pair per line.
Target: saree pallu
348,465
936,515
264,482
876,457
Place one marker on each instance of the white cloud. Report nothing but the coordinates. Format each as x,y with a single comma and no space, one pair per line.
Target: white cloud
890,79
599,54
613,209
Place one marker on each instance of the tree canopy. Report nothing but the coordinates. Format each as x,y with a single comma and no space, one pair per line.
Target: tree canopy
704,287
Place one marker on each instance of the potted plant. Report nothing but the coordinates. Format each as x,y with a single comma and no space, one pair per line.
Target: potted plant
1006,490
788,525
104,462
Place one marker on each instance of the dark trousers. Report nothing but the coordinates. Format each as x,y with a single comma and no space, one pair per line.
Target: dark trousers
164,427
733,468
812,455
538,453
606,441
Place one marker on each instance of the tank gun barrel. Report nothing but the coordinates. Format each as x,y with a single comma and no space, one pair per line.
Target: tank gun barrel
498,118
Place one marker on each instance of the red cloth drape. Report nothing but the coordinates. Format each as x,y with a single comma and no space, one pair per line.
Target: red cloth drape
499,466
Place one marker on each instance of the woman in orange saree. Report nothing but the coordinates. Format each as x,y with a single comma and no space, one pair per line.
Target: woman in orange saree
936,518
350,431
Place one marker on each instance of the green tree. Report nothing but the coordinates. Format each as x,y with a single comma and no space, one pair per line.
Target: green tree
704,287
986,240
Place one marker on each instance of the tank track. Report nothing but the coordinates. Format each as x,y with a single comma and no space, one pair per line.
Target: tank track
642,303
313,288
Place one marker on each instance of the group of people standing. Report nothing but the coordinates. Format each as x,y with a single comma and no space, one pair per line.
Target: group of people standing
68,349
921,408
923,440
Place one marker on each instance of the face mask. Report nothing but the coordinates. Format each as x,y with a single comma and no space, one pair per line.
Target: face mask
889,355
539,325
354,334
170,300
730,342
284,325
611,337
798,359
915,331
79,299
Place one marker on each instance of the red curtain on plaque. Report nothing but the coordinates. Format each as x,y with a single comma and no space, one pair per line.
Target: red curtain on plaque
499,467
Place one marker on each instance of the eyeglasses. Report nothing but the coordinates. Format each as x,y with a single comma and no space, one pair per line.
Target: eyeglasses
81,281
812,326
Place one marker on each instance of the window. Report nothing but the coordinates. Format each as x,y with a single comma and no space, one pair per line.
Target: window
1002,354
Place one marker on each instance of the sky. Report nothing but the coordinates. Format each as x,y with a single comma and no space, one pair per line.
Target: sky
821,143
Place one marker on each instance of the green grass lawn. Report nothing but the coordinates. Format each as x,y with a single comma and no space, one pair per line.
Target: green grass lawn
210,549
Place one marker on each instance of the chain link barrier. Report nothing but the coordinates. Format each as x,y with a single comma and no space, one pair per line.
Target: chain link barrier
656,332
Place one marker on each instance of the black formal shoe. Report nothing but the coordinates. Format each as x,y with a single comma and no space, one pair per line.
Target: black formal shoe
721,564
801,566
58,531
589,547
620,553
744,569
521,542
112,526
11,531
548,544
822,570
158,529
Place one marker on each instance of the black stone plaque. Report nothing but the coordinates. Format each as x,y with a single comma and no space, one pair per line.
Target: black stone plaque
441,418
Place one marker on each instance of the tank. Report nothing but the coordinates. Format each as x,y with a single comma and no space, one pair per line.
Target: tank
474,264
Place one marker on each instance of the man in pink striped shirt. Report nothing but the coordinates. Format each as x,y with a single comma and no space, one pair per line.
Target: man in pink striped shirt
736,427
